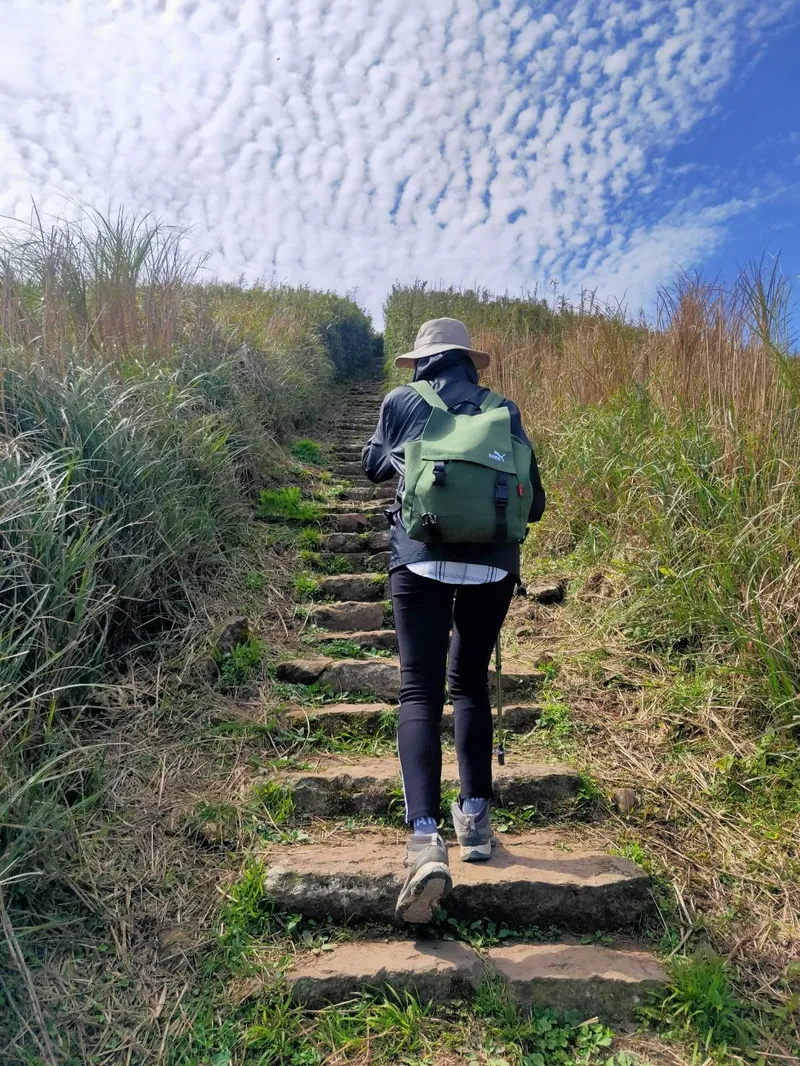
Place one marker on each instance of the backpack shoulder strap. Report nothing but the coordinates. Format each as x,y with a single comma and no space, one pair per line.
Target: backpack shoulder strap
429,394
492,402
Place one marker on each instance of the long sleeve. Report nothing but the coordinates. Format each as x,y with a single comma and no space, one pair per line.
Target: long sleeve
539,500
376,455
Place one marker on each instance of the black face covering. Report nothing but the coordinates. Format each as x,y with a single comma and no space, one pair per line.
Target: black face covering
433,366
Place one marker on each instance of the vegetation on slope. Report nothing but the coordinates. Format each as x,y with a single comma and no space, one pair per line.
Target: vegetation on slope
141,411
671,457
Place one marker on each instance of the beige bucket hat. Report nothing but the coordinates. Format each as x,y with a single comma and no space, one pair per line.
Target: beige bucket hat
442,335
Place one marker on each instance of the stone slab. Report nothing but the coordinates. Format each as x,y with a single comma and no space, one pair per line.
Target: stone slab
432,970
370,786
589,979
352,587
377,639
605,982
349,523
342,543
380,677
301,671
523,885
383,679
333,718
348,616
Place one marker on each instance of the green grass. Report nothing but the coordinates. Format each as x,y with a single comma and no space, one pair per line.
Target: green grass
239,666
287,503
308,451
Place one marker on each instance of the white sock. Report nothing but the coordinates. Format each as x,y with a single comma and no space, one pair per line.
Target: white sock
475,807
424,827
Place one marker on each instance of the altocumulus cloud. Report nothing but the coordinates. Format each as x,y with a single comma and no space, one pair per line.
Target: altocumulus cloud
352,143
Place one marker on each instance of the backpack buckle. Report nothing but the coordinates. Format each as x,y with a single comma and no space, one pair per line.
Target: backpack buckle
430,525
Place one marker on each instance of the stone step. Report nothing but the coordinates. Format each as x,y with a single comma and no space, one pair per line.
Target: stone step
374,492
348,523
370,508
379,639
347,617
382,678
369,787
363,562
353,587
349,470
588,979
345,543
366,718
523,885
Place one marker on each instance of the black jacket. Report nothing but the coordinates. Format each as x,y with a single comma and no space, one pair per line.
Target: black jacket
402,418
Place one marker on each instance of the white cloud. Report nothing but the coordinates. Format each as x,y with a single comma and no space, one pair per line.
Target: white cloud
351,143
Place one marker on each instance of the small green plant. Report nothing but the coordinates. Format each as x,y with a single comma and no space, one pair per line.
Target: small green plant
305,586
255,581
701,1003
309,539
325,563
276,800
541,1037
344,649
287,503
308,451
238,666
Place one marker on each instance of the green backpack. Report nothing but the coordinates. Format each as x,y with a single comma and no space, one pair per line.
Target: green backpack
467,480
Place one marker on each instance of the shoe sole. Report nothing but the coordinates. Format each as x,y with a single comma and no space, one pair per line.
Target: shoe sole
421,896
476,852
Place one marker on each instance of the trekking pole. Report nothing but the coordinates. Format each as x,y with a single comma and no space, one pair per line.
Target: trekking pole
498,670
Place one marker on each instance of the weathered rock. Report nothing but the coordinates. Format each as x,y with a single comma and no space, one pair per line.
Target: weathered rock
380,677
548,592
517,679
378,520
234,633
378,492
346,617
379,562
379,639
352,587
332,718
302,671
586,978
350,470
436,970
342,543
626,800
369,786
523,885
378,542
350,523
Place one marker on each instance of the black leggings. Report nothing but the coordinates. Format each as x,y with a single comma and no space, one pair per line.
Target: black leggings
424,610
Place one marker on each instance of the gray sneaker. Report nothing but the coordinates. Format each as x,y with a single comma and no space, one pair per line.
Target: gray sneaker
474,835
428,879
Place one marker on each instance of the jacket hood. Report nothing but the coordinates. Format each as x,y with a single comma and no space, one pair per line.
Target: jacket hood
455,365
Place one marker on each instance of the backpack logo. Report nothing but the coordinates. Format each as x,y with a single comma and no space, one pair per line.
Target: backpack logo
499,457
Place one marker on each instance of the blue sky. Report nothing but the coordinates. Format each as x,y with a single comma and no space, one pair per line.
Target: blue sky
354,143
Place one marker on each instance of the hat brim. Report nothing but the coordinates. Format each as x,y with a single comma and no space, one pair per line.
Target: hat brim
408,359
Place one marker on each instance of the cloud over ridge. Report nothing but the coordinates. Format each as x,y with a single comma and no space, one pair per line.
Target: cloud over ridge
348,143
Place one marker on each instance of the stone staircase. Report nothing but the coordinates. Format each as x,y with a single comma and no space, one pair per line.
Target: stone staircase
534,882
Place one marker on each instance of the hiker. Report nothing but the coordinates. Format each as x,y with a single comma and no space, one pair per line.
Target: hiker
469,487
